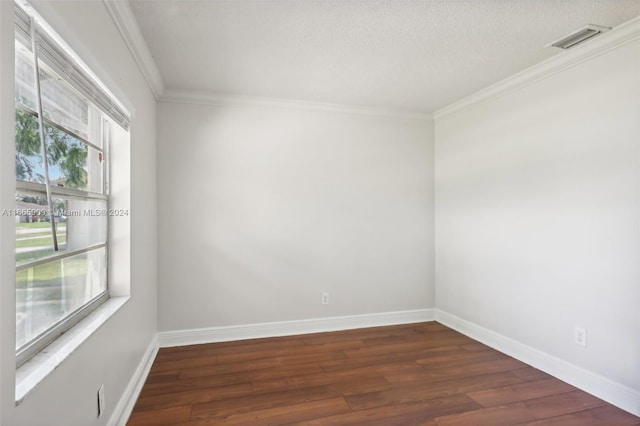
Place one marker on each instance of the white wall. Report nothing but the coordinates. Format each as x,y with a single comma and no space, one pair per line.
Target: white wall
262,208
110,356
7,197
537,214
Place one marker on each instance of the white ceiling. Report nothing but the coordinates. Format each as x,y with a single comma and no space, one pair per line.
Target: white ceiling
407,55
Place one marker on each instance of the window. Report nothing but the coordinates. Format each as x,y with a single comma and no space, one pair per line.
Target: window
63,115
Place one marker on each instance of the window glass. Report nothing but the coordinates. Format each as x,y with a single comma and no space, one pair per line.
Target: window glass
25,87
34,235
62,104
80,223
72,163
61,210
28,148
48,293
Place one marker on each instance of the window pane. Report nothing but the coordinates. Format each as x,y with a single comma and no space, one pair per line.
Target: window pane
72,164
28,148
80,223
33,233
62,104
49,293
25,88
61,204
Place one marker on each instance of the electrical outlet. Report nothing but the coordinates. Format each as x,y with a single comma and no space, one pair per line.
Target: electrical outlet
100,400
325,298
580,337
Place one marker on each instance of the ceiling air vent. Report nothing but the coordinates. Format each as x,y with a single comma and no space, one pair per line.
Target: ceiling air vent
577,37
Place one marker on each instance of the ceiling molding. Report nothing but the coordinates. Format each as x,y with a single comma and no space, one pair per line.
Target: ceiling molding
623,34
122,16
198,98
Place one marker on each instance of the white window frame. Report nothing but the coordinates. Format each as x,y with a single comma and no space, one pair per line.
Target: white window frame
46,47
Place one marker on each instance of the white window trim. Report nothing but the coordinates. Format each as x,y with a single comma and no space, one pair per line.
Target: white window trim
38,343
37,368
34,371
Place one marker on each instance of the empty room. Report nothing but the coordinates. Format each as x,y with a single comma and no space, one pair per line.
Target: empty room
320,212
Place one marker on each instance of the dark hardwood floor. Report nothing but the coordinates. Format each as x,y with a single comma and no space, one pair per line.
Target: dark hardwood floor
415,374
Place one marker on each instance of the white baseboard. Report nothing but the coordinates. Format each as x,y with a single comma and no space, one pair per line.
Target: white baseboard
613,392
126,403
290,328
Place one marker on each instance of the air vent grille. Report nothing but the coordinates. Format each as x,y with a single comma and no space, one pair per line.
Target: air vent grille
579,36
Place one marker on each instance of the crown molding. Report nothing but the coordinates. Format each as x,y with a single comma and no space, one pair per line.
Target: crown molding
619,36
122,16
214,99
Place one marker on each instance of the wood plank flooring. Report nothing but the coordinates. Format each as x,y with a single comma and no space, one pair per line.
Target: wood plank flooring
415,374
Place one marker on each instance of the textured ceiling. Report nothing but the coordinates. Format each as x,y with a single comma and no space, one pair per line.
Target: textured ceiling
409,55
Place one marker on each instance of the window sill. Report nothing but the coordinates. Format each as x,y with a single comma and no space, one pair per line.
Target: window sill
34,371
